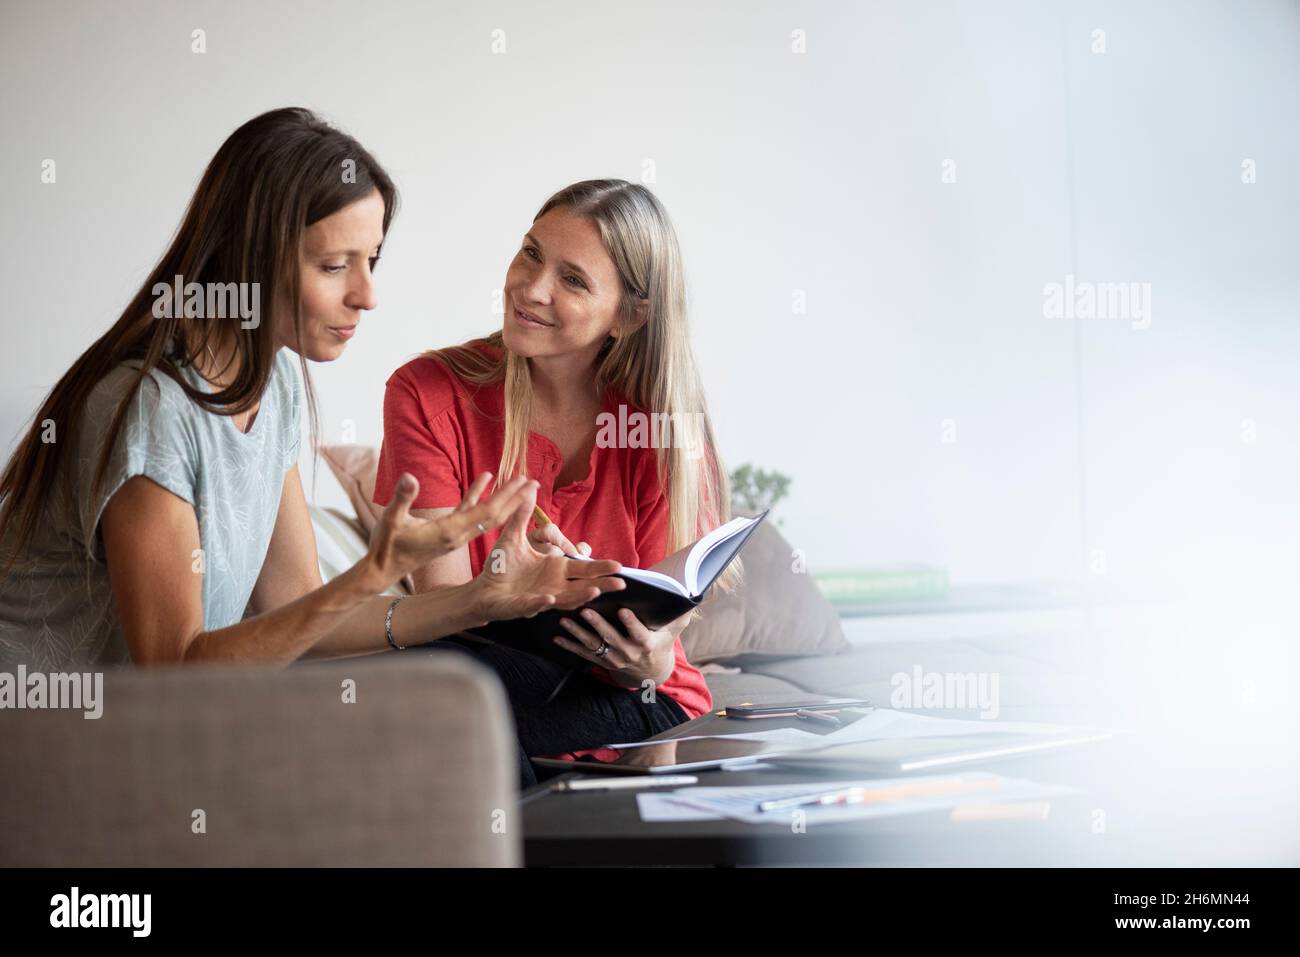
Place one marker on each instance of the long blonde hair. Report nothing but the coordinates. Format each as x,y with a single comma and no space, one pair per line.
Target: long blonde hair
652,366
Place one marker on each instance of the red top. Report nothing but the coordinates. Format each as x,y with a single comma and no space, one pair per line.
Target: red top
445,431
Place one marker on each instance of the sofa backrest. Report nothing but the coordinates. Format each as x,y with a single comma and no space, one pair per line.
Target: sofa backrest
389,759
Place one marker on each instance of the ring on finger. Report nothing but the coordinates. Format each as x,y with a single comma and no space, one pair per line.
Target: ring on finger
603,650
482,529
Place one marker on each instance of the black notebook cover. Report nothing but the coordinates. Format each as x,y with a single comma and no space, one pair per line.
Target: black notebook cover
652,605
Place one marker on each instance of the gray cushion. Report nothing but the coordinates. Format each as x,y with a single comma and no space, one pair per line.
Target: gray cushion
1038,679
740,688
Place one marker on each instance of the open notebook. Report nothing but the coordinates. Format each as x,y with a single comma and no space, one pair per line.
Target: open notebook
655,595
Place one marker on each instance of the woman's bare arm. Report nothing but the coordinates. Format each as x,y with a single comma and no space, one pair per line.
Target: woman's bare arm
156,570
448,570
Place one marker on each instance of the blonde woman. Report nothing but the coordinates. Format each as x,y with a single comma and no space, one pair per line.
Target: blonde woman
595,320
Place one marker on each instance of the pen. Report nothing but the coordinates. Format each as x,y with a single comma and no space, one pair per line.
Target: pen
543,520
816,716
623,784
844,796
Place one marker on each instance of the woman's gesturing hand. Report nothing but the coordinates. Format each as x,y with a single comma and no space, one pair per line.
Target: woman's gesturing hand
643,654
401,543
518,580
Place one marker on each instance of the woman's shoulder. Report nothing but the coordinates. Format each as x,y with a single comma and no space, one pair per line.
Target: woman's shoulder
426,378
154,390
486,347
160,425
286,374
286,363
432,379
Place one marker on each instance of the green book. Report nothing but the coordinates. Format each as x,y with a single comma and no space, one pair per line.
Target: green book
888,583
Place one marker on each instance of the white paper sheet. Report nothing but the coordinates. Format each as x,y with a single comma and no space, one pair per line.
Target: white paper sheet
662,807
740,803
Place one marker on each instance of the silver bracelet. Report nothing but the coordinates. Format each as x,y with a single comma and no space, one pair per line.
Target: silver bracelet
388,623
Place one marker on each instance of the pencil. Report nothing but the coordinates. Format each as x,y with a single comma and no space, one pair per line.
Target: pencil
541,517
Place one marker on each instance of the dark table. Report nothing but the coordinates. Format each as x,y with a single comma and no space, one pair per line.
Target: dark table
605,828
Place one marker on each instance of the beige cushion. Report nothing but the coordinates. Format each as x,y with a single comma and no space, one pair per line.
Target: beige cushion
421,770
776,611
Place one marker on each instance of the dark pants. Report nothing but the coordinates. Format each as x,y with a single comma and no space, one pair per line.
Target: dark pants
586,713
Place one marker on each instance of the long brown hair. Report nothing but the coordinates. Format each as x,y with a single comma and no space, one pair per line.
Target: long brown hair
652,366
272,178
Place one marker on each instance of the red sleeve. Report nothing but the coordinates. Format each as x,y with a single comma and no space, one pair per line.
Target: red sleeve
414,442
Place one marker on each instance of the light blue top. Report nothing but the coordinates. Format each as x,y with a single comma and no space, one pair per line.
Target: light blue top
56,609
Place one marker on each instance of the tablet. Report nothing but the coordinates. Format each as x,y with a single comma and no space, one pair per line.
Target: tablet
880,756
670,757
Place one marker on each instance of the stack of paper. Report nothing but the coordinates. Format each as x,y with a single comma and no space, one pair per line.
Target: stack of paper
879,797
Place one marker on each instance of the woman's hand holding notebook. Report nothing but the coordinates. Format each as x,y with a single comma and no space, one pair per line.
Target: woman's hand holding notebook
656,596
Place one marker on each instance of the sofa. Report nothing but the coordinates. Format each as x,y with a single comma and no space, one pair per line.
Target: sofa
373,761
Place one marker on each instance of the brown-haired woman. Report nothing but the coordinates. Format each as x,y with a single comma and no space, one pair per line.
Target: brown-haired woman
155,500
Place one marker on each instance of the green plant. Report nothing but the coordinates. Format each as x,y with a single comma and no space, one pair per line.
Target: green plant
753,490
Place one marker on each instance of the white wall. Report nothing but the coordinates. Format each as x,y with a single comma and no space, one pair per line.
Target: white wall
817,172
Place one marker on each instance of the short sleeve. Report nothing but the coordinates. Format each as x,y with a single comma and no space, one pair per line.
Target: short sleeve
414,442
156,441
